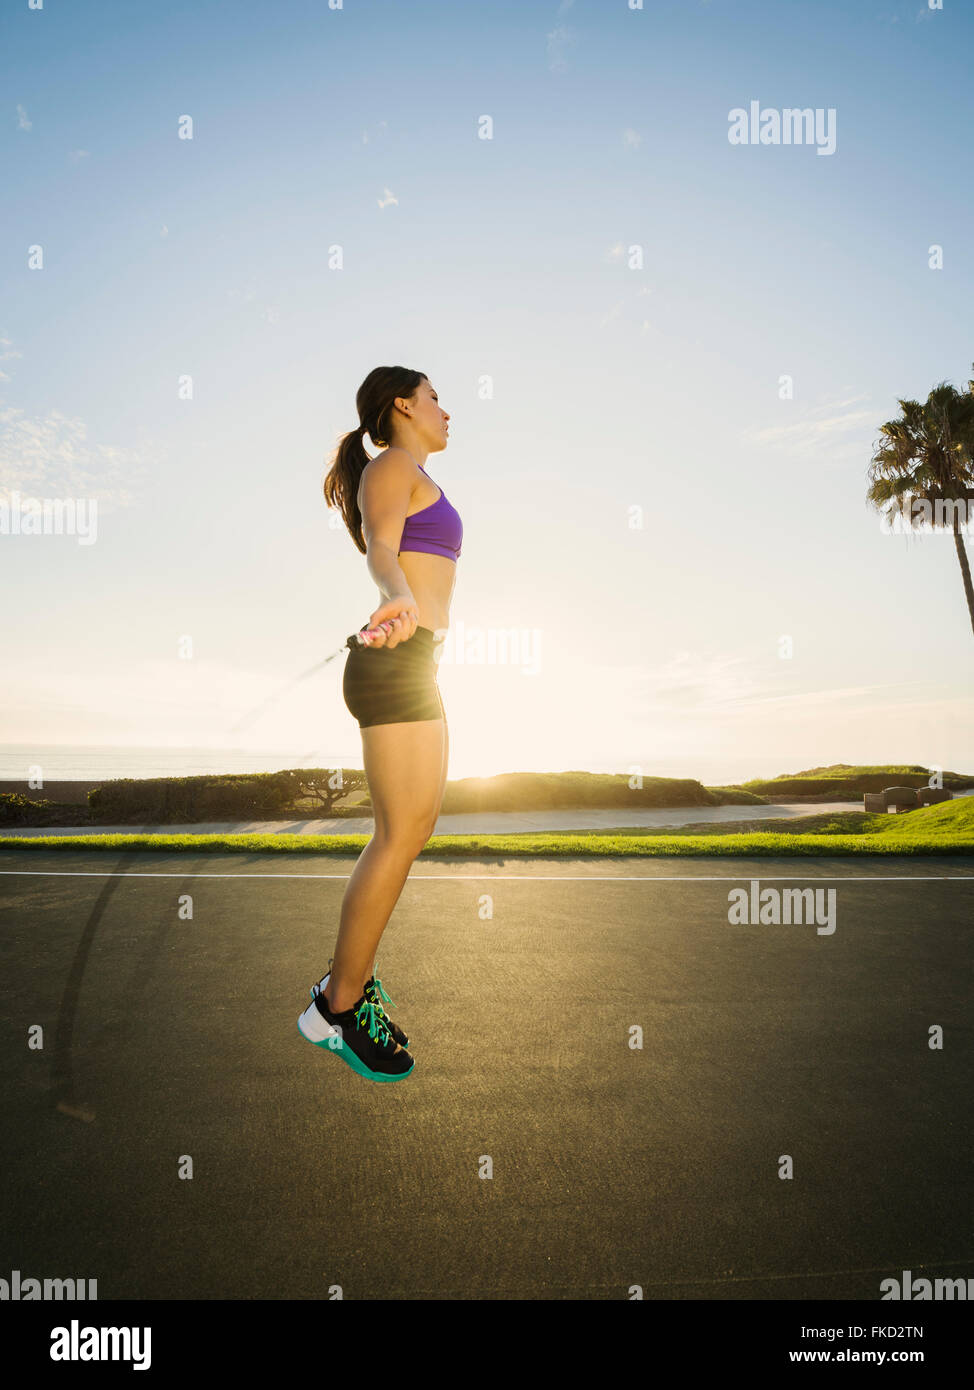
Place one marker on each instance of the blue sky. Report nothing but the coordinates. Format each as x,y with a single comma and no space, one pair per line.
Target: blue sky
507,261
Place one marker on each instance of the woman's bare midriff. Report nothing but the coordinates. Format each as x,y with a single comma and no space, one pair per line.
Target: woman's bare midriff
431,579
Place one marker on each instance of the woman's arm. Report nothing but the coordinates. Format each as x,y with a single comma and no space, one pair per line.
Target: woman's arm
387,489
386,571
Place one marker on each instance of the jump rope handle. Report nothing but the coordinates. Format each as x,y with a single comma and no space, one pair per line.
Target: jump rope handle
367,635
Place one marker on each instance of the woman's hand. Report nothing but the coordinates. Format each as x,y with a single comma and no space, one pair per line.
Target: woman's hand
402,612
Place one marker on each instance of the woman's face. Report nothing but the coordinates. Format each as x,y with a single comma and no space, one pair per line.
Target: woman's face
430,416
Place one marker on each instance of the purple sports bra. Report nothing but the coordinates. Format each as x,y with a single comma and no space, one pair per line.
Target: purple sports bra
435,530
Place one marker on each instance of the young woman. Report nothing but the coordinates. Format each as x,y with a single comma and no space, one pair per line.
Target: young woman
410,536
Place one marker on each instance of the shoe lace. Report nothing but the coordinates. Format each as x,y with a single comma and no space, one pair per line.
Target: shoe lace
381,992
377,1029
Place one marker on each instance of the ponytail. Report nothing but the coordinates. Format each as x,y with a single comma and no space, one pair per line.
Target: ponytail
373,399
341,483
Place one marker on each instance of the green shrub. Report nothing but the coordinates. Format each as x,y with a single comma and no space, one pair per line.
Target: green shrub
13,808
224,796
166,800
17,809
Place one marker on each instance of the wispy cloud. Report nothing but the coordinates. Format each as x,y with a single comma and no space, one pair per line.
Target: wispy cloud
52,457
614,255
835,695
817,425
558,41
388,197
23,121
246,295
7,352
696,681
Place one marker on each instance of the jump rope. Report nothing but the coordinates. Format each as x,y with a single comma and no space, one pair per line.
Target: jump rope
358,640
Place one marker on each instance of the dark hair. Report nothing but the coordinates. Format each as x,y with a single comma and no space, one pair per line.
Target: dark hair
372,401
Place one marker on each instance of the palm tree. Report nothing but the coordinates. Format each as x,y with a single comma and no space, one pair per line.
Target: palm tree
924,458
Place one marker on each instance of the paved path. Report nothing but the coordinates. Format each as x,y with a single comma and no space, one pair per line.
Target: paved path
473,823
520,984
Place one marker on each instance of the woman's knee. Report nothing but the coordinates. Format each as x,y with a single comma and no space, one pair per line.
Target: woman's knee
405,837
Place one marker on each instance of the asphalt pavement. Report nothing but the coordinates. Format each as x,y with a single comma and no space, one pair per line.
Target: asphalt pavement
535,1152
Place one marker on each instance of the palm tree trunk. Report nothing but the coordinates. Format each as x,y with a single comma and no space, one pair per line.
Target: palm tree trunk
965,568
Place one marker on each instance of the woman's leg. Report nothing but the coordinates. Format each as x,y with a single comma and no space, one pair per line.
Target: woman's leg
404,767
436,811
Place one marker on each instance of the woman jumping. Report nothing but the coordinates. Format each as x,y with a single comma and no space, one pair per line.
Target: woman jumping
410,535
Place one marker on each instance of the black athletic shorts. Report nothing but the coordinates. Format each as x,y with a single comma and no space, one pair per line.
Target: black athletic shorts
396,685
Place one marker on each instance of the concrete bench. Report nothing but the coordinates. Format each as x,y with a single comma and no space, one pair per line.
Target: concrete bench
904,798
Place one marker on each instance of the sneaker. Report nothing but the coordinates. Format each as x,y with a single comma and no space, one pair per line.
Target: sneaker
375,994
358,1036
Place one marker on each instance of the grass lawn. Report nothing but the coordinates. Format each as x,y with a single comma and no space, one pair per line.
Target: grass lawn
947,828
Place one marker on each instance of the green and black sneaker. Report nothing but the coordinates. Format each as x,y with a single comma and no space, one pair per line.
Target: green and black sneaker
375,995
358,1036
